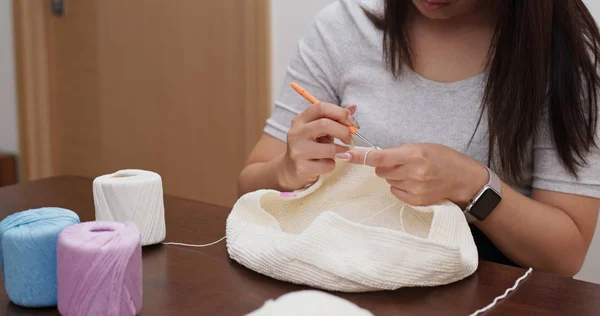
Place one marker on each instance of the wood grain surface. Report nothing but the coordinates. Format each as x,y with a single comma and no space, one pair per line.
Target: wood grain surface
204,281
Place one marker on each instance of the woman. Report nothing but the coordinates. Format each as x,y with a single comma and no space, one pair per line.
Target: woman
448,88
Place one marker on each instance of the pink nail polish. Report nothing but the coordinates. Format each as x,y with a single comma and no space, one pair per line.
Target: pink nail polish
351,109
344,156
287,194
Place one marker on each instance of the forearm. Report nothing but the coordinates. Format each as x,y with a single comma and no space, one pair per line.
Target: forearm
261,175
535,235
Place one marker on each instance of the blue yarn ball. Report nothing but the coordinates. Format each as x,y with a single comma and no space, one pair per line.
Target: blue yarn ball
28,254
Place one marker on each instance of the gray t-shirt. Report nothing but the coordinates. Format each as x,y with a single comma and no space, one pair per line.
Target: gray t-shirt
339,61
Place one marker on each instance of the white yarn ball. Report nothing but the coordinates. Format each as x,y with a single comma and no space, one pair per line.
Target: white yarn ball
309,303
132,195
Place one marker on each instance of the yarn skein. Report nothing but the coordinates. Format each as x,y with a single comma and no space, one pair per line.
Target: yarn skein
28,254
307,303
132,195
100,269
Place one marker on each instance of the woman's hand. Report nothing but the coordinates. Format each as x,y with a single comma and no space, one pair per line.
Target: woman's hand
425,174
310,147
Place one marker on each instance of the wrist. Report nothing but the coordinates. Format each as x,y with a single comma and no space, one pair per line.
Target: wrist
473,179
286,180
281,174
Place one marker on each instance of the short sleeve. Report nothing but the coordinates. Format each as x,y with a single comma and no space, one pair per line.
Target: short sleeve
312,67
550,174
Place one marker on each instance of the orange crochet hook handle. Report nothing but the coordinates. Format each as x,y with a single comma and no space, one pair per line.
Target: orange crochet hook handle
310,98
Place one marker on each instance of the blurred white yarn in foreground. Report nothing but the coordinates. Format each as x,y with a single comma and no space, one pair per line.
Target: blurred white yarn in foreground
309,303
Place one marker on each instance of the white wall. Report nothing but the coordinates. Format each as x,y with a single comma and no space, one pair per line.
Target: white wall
8,117
594,7
591,268
289,20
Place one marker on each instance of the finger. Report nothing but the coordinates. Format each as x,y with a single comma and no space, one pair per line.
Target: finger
323,127
325,151
407,197
378,158
325,139
393,173
416,188
315,167
351,109
323,166
402,195
324,110
403,185
424,198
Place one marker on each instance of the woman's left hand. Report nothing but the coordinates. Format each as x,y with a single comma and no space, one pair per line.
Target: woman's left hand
425,174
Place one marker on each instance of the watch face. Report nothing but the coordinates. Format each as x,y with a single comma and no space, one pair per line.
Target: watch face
486,203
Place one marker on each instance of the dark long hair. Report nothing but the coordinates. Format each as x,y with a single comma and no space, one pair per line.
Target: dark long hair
543,62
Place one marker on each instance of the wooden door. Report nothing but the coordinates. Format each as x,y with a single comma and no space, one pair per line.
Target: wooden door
177,87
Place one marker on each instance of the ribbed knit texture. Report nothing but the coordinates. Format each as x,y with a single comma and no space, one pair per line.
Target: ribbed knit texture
329,237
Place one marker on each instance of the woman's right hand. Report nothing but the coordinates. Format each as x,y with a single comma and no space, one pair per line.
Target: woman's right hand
310,147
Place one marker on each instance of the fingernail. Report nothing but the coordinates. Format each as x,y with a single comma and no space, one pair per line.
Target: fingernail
287,194
351,109
344,156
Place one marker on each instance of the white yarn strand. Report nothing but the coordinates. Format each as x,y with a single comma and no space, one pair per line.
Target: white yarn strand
193,245
377,213
363,220
503,296
365,158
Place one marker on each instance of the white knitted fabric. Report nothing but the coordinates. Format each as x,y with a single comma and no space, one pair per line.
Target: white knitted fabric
309,303
334,236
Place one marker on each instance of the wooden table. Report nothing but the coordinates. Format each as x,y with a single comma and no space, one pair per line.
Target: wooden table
8,169
204,281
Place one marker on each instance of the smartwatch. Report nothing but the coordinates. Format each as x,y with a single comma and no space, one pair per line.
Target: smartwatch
486,200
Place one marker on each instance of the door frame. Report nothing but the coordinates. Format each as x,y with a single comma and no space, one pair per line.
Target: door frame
33,88
32,71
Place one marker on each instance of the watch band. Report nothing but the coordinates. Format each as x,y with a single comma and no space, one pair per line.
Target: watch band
494,183
470,218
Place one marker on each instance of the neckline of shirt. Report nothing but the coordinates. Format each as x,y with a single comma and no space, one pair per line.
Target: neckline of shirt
473,81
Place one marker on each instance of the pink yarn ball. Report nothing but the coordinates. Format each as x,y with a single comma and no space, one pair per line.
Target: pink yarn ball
99,269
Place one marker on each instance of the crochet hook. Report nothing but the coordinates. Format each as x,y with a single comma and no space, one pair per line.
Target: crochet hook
310,98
